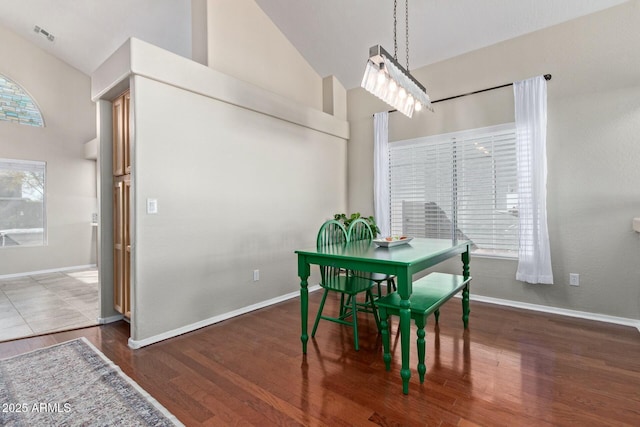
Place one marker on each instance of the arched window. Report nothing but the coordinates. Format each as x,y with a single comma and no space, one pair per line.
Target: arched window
16,105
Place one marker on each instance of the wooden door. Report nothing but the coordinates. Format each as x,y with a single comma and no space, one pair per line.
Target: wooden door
118,136
121,246
121,212
118,246
126,280
126,155
121,148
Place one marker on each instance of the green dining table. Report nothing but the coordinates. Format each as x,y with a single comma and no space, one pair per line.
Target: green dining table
402,261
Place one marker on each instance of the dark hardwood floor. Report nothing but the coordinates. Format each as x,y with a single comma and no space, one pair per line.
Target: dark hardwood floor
511,368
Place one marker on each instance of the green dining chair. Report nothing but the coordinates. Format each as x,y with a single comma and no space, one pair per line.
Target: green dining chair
332,236
360,229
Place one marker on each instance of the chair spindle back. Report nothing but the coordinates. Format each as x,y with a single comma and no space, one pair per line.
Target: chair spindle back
331,233
359,229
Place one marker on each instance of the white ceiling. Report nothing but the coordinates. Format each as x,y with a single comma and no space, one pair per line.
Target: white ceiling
88,31
334,36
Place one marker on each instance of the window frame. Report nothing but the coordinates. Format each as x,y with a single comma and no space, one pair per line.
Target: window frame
451,181
27,166
17,105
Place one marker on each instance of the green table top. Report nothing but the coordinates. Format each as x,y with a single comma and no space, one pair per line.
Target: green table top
414,252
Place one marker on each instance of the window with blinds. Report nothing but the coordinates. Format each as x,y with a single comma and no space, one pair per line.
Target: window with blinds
462,184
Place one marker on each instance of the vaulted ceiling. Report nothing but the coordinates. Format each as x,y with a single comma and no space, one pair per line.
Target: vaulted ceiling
334,36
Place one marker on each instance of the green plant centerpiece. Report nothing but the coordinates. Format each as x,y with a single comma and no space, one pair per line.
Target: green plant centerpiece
346,220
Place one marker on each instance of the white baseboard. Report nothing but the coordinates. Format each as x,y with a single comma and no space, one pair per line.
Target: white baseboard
52,270
110,319
135,344
556,310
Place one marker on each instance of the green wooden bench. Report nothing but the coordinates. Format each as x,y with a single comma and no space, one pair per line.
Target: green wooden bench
429,293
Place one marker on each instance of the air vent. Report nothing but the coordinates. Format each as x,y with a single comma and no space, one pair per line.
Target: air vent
44,33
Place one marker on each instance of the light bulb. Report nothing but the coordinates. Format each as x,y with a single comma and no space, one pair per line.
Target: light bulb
418,106
409,101
382,76
393,86
402,93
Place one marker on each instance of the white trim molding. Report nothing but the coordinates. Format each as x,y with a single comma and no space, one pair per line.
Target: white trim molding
561,311
52,270
110,319
136,344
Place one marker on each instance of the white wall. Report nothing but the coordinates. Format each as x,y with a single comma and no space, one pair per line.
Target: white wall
593,152
63,96
242,177
243,42
237,191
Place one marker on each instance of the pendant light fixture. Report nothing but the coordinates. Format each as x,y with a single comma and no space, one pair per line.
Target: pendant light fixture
385,78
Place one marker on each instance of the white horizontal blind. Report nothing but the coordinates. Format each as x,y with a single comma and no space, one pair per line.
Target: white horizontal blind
462,184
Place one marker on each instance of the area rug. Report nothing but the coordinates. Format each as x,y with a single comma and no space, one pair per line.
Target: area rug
74,384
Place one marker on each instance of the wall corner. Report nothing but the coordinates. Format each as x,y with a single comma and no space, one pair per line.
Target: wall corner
199,32
334,98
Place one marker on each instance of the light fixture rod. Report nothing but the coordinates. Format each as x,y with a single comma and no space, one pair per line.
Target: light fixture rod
385,78
546,77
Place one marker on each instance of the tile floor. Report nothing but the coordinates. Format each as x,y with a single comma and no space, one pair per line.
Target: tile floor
43,303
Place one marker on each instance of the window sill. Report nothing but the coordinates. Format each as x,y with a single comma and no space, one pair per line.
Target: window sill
484,253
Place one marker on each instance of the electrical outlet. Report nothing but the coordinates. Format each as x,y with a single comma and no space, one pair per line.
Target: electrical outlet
256,275
574,279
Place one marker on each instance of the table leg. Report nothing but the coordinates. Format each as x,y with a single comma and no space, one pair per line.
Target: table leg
405,338
465,291
404,290
304,271
465,263
465,306
304,311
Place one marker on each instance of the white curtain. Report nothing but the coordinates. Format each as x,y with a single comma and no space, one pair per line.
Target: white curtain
382,203
534,255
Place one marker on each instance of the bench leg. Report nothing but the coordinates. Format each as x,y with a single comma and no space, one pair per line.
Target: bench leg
384,325
465,306
421,322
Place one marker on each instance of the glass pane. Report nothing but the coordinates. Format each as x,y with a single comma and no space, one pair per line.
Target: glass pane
22,203
16,105
463,184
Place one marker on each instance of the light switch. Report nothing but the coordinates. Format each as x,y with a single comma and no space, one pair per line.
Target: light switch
152,206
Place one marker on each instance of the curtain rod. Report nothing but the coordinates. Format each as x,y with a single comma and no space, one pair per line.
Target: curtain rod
546,77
